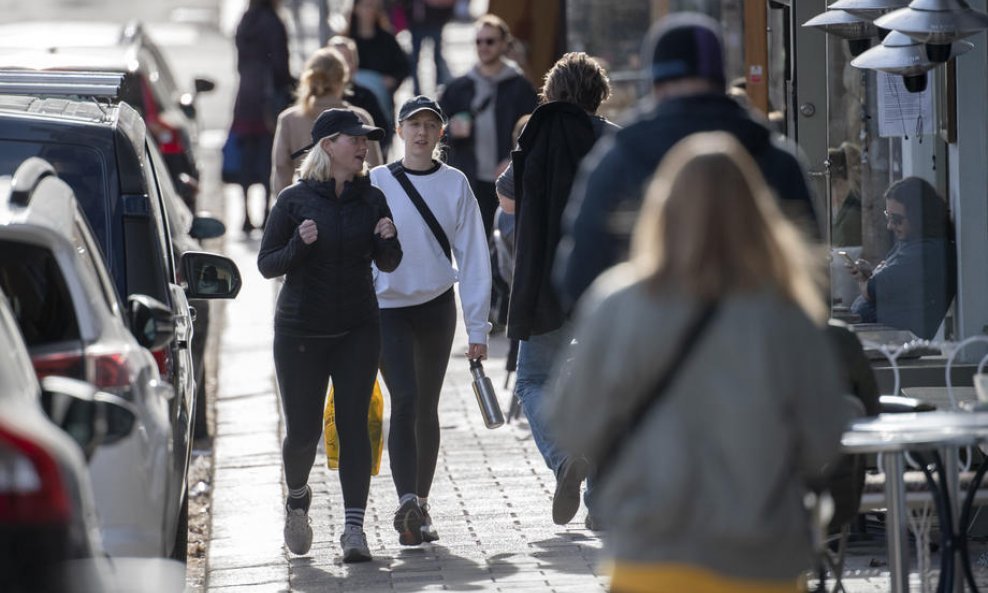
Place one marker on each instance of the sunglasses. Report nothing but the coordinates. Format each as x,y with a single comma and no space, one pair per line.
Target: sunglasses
489,41
895,219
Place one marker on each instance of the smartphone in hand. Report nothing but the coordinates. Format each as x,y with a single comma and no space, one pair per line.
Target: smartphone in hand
848,259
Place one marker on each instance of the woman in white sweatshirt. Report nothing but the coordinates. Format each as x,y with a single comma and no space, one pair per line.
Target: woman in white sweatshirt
418,314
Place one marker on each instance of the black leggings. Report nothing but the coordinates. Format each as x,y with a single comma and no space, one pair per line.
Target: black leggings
304,366
415,348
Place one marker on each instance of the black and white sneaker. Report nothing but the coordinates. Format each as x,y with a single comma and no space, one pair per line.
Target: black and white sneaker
429,533
408,523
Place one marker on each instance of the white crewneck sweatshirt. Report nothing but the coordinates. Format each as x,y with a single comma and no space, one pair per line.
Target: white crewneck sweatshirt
424,272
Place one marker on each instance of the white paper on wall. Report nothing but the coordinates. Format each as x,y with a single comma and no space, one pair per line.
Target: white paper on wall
901,113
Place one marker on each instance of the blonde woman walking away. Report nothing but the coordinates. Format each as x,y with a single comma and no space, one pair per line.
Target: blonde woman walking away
717,323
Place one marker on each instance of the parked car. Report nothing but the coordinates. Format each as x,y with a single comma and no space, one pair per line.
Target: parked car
50,538
187,230
100,149
73,323
149,86
47,514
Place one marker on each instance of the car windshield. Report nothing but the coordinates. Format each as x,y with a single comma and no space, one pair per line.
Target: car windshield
79,166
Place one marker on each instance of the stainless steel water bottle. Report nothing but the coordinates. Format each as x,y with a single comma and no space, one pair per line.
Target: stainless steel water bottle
486,396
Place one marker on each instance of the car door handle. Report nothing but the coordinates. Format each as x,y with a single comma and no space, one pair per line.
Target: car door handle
182,344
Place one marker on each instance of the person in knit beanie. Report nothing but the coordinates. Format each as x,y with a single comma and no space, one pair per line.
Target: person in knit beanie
683,58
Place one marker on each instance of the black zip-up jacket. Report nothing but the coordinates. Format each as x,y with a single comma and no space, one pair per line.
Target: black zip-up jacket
328,288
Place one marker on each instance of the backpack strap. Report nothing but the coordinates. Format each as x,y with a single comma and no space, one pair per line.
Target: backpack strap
398,171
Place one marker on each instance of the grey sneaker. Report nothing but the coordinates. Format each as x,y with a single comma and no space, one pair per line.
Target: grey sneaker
429,533
566,500
298,532
354,544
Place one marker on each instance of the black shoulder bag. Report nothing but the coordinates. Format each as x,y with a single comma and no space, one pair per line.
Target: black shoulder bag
430,219
691,335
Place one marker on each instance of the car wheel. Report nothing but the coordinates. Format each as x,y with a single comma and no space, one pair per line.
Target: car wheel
201,423
181,550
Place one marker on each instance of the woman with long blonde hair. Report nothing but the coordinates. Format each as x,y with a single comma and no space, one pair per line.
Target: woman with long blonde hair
705,491
321,87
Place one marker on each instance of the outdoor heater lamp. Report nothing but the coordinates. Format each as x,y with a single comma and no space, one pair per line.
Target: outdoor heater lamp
937,23
903,55
868,10
855,30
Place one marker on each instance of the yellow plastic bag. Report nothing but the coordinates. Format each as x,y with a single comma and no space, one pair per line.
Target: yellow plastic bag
375,426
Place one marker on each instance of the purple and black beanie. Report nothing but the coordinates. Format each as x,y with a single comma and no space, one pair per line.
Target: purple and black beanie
685,45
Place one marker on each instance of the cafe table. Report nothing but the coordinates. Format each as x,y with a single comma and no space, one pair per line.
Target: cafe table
893,435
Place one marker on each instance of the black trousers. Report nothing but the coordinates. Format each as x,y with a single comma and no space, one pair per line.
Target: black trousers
415,348
486,195
304,366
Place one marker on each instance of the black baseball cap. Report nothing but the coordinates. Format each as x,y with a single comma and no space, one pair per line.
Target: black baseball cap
339,121
420,103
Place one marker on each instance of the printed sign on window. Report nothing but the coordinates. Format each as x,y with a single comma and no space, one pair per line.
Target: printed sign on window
901,113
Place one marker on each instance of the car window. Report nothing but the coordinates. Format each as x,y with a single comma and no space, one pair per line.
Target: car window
38,296
17,378
179,216
89,259
157,177
83,168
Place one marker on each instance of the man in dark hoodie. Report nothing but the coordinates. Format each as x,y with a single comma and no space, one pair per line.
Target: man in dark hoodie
483,106
686,66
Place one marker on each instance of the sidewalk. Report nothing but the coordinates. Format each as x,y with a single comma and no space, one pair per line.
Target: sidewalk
491,498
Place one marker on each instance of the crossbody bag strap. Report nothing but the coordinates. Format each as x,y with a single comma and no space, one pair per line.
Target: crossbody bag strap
430,219
690,337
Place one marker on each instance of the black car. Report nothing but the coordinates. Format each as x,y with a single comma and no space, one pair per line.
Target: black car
101,150
168,109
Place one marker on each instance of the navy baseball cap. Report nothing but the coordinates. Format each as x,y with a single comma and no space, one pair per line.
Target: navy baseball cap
684,45
420,103
339,121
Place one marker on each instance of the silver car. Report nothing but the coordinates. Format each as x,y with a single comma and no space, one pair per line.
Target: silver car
74,325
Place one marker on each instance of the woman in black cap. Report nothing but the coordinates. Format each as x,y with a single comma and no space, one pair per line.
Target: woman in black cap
323,233
418,314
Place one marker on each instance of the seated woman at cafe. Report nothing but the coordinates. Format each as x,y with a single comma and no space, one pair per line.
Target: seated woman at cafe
915,283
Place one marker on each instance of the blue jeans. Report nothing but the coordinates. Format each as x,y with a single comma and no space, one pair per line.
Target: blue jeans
536,358
419,34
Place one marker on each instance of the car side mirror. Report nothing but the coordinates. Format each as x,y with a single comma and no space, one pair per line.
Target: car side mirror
91,417
210,276
204,85
151,321
205,226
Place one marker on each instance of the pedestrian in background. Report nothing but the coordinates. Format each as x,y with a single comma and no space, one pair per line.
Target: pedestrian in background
324,233
418,309
383,63
321,87
535,188
426,20
265,89
683,57
914,285
483,106
704,489
324,30
359,95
